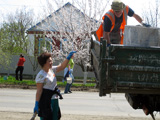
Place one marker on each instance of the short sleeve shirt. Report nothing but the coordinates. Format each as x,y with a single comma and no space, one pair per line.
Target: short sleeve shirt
71,63
48,79
108,24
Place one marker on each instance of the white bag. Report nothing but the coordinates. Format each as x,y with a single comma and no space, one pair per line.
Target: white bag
69,80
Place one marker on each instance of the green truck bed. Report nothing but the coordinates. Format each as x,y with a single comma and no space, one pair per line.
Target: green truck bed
126,69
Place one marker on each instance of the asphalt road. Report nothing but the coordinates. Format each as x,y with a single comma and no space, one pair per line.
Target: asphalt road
76,103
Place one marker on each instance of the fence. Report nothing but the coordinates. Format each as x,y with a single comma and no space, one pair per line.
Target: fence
30,73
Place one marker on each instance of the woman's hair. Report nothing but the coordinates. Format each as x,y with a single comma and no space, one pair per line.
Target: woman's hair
42,59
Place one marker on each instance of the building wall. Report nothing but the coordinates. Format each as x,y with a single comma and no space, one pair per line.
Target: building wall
28,68
31,44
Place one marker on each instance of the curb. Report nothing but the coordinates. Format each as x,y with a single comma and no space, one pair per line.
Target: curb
86,89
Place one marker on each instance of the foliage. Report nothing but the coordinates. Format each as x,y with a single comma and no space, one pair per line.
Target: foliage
13,37
5,59
4,54
10,40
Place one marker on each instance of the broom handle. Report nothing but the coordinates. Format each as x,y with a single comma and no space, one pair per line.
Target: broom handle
34,116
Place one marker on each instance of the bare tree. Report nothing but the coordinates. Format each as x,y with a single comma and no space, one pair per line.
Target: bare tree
151,14
71,27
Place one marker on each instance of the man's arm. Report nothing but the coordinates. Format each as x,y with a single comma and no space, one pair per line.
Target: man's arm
138,18
106,37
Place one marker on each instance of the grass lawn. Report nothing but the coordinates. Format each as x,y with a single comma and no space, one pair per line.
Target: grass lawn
10,80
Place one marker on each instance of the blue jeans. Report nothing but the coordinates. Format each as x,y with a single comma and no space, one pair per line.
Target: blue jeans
68,86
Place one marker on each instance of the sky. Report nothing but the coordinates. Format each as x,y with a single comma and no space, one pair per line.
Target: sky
9,6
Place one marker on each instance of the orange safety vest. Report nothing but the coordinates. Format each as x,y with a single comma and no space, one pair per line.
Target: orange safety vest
111,16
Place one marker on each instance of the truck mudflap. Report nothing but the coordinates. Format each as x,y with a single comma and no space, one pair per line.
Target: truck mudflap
148,103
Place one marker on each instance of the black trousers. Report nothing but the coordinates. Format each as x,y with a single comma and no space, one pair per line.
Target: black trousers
45,109
19,68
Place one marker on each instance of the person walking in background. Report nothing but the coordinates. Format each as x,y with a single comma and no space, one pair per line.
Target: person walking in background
46,104
68,72
20,67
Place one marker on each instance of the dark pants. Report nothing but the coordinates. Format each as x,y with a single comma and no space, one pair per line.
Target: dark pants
19,68
49,108
56,112
68,86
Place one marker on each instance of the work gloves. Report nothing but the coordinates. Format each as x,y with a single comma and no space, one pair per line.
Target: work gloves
69,72
145,24
58,93
36,107
108,45
71,54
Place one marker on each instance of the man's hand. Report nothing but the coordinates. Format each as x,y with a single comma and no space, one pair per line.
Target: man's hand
69,72
145,24
108,44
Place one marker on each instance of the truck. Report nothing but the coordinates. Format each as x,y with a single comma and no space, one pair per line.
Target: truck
132,70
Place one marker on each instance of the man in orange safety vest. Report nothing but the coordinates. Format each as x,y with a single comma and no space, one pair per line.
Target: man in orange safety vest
114,21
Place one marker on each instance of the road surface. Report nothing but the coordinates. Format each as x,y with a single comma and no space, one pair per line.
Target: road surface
17,104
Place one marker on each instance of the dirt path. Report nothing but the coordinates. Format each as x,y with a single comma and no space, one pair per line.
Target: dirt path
27,116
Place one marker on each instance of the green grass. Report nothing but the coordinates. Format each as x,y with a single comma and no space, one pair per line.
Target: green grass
12,81
77,84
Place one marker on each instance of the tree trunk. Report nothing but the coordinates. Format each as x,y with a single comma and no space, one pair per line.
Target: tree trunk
85,77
